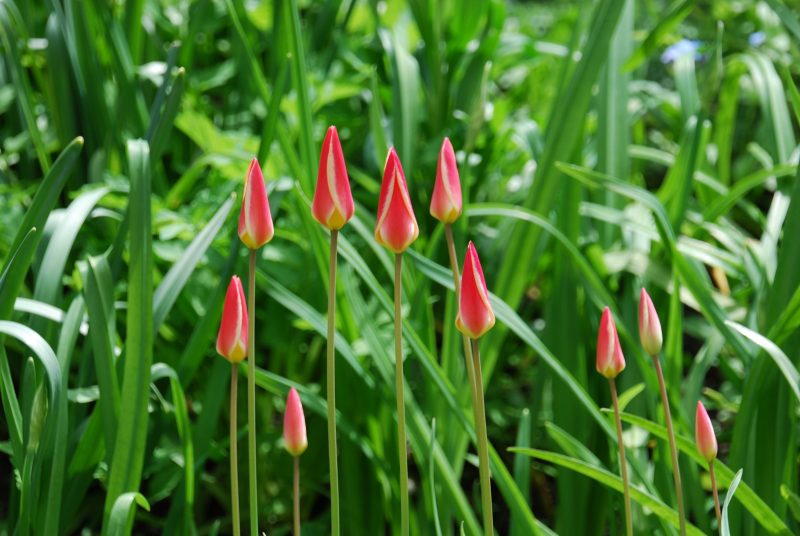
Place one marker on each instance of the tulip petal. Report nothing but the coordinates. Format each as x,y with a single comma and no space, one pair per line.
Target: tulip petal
333,202
704,433
232,335
446,201
475,315
610,360
396,227
294,425
255,220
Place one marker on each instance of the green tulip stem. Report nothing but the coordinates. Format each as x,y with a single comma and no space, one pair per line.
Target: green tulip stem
623,464
251,392
483,443
332,456
399,385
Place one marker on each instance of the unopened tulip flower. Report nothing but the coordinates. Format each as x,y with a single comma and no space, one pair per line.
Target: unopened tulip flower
332,207
397,226
651,339
475,316
232,342
396,229
294,425
610,361
294,436
255,230
333,203
649,325
255,220
707,446
704,434
232,335
446,199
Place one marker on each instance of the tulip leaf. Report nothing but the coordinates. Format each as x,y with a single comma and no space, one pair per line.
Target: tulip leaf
725,528
611,481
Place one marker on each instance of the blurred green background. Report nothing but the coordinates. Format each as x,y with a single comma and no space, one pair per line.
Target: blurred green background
602,146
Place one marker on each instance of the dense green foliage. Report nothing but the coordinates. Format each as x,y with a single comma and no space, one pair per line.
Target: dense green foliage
592,163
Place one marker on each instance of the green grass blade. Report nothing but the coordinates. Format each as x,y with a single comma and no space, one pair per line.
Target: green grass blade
561,140
11,411
762,513
48,281
120,520
725,529
432,481
778,356
99,296
182,423
129,448
36,216
173,282
611,481
522,468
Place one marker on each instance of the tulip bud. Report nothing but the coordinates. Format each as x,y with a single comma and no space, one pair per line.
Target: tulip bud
446,200
232,336
255,220
475,316
396,227
333,202
294,425
610,361
704,434
649,325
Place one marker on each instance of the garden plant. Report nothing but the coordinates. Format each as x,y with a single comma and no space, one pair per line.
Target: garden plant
483,267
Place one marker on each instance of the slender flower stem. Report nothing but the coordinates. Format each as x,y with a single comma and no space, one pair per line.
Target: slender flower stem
401,406
477,401
234,456
483,443
296,495
716,495
332,457
251,393
623,464
451,250
676,471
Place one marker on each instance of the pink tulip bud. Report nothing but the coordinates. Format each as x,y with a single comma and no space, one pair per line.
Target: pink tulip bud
255,220
475,316
294,425
704,434
649,325
396,227
333,202
446,200
610,361
232,336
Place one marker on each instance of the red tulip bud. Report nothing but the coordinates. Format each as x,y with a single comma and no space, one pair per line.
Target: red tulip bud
232,336
255,220
333,202
294,425
649,325
446,200
396,227
610,361
704,434
475,316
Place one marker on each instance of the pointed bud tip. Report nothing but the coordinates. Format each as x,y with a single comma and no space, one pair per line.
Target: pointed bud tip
705,437
610,360
294,425
649,325
475,315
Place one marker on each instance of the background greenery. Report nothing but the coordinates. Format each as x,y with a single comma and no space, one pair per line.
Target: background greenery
594,160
